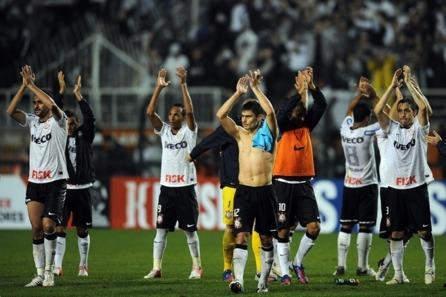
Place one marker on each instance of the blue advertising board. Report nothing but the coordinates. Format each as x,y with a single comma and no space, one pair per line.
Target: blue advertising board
329,197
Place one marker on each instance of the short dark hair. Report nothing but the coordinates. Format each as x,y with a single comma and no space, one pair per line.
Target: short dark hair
410,102
48,92
301,105
71,114
183,112
254,106
361,111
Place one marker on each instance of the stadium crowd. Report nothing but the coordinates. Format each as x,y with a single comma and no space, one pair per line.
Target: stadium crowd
233,36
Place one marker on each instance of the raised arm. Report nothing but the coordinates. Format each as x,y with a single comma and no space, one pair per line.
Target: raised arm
61,80
254,80
187,101
17,114
421,95
352,105
58,97
286,108
161,83
315,113
29,76
364,89
88,124
227,123
392,111
383,119
301,86
422,116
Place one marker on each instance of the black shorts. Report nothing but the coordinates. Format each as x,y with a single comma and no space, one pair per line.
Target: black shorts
409,209
296,204
385,223
78,203
257,204
51,194
177,204
359,205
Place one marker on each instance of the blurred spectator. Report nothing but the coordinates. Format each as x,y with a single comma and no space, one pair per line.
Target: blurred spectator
175,59
246,49
112,158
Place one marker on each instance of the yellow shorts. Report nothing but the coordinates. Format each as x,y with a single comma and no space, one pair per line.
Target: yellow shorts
228,205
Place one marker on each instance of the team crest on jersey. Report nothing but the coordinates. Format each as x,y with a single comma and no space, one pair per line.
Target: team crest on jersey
237,223
281,217
228,214
349,121
159,219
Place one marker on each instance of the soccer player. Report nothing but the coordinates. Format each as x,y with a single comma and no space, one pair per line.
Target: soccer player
359,205
391,112
381,139
79,154
177,200
46,189
254,198
293,171
228,183
407,193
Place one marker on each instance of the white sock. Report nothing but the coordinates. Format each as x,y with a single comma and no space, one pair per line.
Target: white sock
50,250
428,248
396,249
363,244
159,245
84,247
39,256
343,245
290,236
60,251
306,243
239,263
194,248
267,262
283,253
387,260
276,261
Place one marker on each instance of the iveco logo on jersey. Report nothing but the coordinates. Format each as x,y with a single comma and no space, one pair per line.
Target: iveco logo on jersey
41,139
176,146
352,140
404,147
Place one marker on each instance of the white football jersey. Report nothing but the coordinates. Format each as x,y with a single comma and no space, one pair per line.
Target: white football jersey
360,168
381,140
407,156
47,162
176,171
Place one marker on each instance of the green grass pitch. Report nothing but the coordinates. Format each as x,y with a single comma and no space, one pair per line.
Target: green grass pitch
119,260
